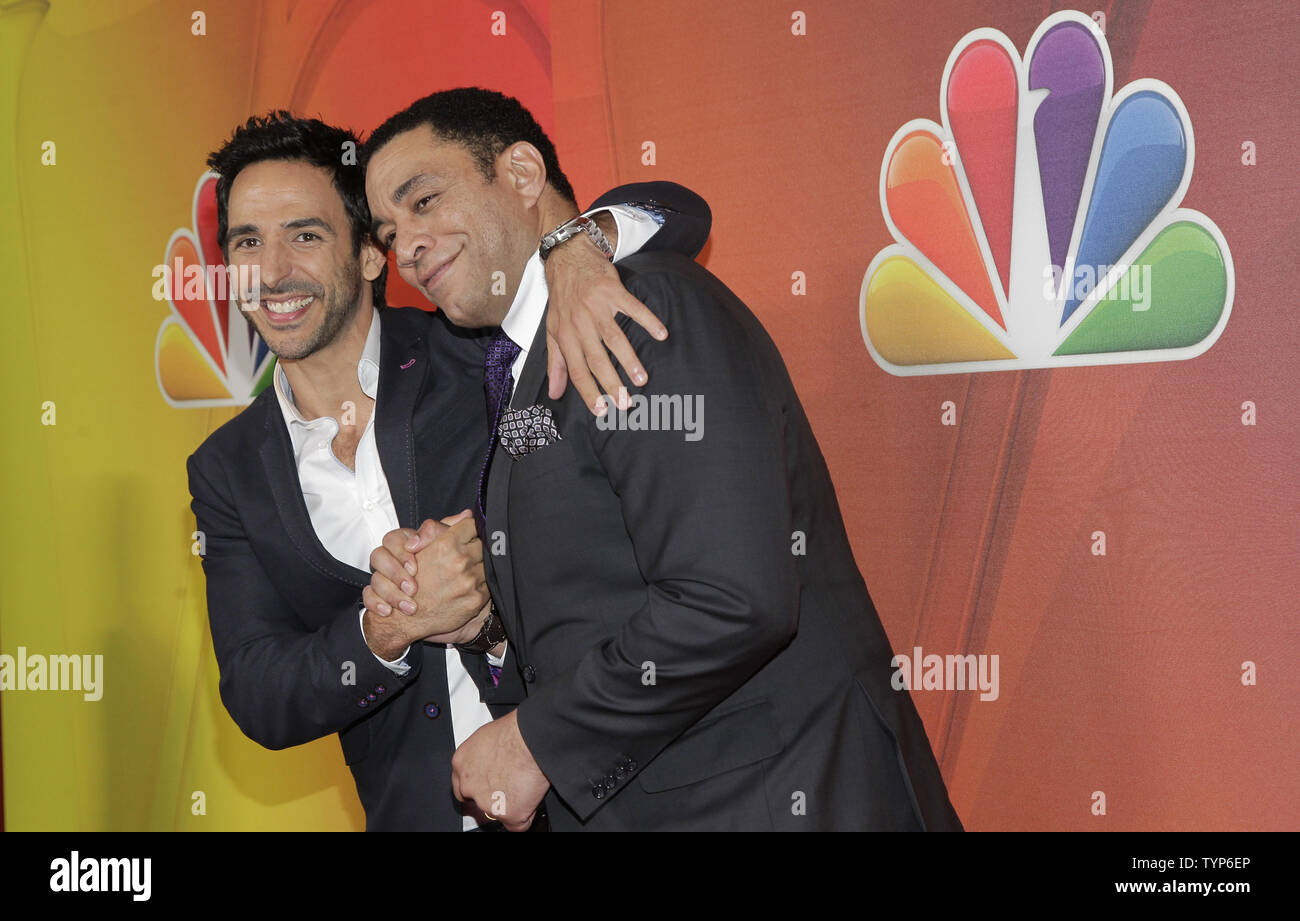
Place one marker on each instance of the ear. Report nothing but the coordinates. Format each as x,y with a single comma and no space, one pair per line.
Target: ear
372,260
521,166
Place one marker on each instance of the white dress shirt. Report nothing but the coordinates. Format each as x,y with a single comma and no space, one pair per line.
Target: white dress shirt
352,510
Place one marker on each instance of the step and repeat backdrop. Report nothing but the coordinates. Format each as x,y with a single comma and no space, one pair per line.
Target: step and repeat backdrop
1029,265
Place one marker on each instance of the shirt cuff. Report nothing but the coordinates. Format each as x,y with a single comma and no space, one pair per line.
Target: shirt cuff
493,660
399,665
635,227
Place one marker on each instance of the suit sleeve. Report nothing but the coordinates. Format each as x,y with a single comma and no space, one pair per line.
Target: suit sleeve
709,520
687,217
283,684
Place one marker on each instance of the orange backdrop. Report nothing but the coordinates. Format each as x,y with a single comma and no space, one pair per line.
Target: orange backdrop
1120,673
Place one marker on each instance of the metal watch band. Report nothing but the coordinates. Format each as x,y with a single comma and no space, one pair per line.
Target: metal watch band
570,229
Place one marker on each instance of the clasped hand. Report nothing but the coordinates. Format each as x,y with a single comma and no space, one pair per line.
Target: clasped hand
433,580
428,584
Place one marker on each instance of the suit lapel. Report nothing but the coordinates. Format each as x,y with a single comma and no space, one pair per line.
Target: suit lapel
400,382
403,368
498,487
282,474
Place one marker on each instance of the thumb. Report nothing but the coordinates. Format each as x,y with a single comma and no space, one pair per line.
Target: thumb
557,371
458,517
421,539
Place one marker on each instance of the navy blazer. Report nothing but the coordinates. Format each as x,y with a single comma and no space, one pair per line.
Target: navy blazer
284,612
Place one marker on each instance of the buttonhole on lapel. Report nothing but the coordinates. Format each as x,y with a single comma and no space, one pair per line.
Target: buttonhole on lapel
408,364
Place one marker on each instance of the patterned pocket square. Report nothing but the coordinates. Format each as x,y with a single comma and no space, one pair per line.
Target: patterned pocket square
523,431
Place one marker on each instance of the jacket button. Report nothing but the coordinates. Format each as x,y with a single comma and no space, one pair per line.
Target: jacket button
372,696
431,710
530,674
621,770
363,703
379,689
598,791
610,782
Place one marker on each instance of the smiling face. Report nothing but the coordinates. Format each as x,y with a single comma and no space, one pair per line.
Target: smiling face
450,227
287,218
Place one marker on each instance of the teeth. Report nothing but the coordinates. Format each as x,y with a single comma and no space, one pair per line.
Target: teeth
287,306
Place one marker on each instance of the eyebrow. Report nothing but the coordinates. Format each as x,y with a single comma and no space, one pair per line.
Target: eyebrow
398,194
288,225
302,222
401,191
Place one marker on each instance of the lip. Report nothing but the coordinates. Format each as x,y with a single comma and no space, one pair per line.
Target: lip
284,319
428,279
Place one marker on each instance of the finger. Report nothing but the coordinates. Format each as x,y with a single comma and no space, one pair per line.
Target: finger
385,563
428,531
473,550
618,343
601,366
459,516
580,375
395,542
464,531
557,372
480,583
455,781
374,603
643,315
388,592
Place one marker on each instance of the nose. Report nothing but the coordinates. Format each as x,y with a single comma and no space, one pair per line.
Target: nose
275,263
409,245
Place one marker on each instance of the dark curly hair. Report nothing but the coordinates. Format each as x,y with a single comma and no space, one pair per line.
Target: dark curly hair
279,135
485,121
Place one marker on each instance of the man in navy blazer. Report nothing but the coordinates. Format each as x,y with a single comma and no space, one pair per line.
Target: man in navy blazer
288,626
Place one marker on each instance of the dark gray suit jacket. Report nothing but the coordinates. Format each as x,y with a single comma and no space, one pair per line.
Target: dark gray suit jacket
679,663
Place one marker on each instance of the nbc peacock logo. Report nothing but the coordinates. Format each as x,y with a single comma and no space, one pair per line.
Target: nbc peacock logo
1040,226
206,353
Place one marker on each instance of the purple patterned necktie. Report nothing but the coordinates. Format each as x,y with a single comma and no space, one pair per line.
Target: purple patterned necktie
498,381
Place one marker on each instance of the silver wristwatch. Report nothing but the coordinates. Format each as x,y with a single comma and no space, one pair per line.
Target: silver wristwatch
570,229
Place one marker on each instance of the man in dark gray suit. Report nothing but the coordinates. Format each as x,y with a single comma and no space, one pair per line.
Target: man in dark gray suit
691,644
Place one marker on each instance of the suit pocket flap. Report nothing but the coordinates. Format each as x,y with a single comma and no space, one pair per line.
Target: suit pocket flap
558,455
721,743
